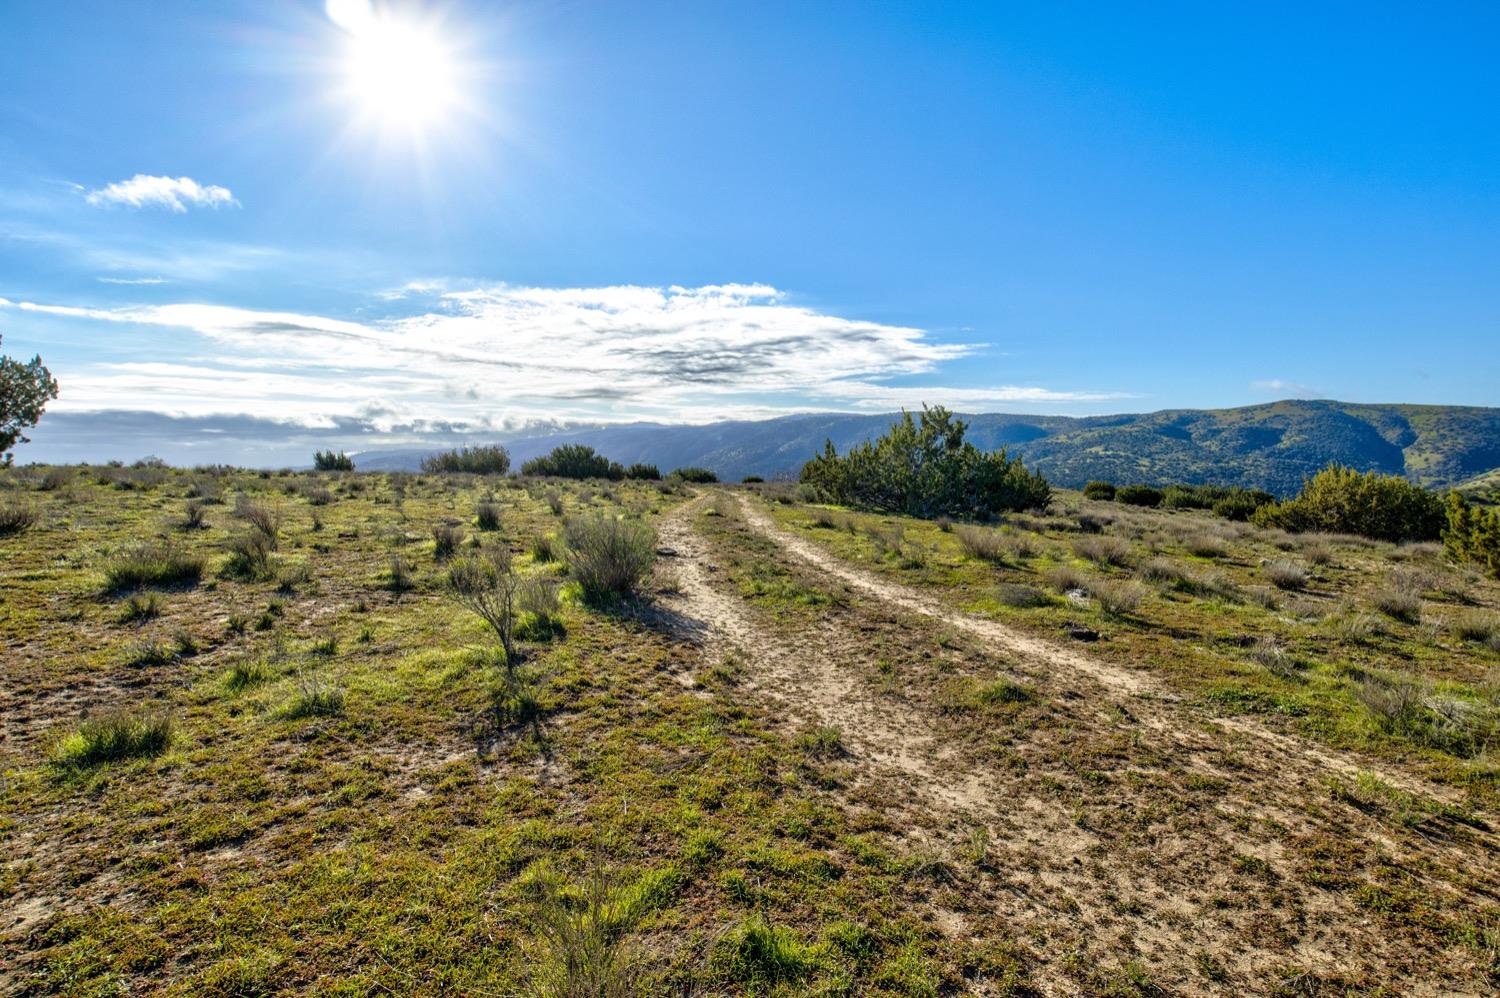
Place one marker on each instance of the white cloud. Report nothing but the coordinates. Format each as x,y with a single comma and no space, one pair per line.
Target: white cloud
132,280
504,353
173,193
1285,389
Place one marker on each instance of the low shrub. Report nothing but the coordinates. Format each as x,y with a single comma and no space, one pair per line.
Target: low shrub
249,555
1398,603
1206,546
982,543
1117,597
153,563
1103,491
573,461
15,517
1138,495
115,736
480,460
1103,550
698,476
446,538
487,516
1344,501
642,472
1475,626
1285,574
1020,596
1067,579
761,955
140,607
314,698
260,517
608,556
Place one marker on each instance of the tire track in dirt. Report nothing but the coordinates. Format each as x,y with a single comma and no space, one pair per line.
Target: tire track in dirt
803,679
1297,751
1057,877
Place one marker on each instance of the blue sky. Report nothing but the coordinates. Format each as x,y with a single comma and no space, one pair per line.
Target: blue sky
604,212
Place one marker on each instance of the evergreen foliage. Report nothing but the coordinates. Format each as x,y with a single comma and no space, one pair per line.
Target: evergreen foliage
486,459
25,390
327,460
1341,500
1472,533
924,467
573,461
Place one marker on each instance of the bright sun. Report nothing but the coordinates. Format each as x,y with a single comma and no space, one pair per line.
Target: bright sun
398,71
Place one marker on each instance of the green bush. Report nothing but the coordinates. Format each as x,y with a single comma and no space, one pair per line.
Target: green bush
113,737
1473,534
608,556
699,476
573,461
1241,504
643,472
1340,500
1138,495
925,469
154,563
327,460
1104,491
482,460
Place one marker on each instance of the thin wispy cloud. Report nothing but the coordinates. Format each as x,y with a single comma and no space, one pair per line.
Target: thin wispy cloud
1285,389
502,353
131,280
175,194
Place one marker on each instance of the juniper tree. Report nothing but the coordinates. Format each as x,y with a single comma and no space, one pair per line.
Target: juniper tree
25,390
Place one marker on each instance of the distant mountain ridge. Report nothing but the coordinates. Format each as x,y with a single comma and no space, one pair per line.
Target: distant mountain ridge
1271,446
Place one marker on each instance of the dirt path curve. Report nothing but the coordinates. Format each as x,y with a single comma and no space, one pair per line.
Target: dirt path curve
804,680
1057,656
1060,870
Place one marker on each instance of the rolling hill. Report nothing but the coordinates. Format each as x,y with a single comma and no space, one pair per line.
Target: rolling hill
1272,446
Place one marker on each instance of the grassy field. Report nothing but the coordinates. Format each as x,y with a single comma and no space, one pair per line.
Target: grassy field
1096,751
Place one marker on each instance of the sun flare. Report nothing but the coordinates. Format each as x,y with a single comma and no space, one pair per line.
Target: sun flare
398,71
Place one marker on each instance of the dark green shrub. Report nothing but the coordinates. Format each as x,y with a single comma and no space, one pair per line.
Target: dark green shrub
1473,534
1241,504
573,461
751,480
925,469
643,472
698,476
445,540
327,460
487,516
1340,500
1138,495
1103,491
489,459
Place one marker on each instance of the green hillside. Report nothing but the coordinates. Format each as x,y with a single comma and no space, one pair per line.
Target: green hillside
1272,446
